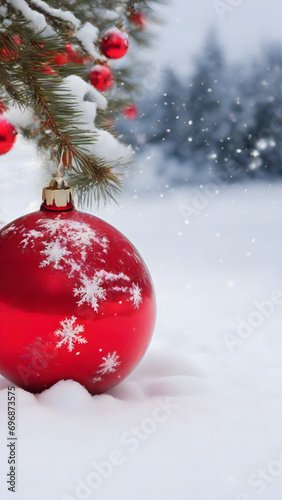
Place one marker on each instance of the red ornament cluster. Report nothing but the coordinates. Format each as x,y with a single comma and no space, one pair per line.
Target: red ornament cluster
76,302
8,136
101,77
114,43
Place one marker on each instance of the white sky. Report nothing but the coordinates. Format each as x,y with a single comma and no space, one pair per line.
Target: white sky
241,31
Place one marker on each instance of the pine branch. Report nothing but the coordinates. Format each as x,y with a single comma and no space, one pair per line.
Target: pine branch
32,79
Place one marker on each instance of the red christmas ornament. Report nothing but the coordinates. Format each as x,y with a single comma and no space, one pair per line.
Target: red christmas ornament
60,59
11,49
76,300
8,136
130,112
73,55
3,108
101,77
139,19
114,43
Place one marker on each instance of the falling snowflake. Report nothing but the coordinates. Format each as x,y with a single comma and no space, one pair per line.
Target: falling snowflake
136,296
54,253
90,291
109,364
70,333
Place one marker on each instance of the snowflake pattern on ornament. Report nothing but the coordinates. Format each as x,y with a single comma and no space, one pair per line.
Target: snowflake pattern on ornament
54,253
110,363
31,234
79,233
90,291
70,333
63,232
9,229
71,242
135,295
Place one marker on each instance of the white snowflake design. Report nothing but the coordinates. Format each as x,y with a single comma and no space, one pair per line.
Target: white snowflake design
54,253
64,232
31,234
79,233
70,333
65,246
136,296
110,363
9,229
90,291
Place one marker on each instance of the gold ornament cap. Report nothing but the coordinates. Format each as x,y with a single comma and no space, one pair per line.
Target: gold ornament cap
58,195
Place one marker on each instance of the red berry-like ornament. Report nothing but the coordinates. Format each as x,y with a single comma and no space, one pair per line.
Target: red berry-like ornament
8,136
60,59
139,19
114,43
101,77
73,55
76,300
11,48
3,108
130,112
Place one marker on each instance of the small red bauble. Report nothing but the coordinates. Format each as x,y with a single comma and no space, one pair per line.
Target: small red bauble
3,108
73,55
76,302
130,112
60,59
101,77
139,19
114,43
11,50
8,136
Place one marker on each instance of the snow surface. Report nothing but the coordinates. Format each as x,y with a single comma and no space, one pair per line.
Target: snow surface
200,417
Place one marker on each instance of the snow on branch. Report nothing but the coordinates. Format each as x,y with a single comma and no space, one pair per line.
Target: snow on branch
37,20
58,13
88,35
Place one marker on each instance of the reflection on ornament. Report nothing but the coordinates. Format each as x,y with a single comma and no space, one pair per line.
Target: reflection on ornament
114,43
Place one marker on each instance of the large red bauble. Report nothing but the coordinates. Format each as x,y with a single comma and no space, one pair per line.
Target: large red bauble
8,136
114,43
76,302
101,77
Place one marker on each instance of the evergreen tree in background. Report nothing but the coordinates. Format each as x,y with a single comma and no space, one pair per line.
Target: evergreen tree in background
50,93
224,120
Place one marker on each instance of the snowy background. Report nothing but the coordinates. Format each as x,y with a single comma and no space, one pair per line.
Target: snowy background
200,417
